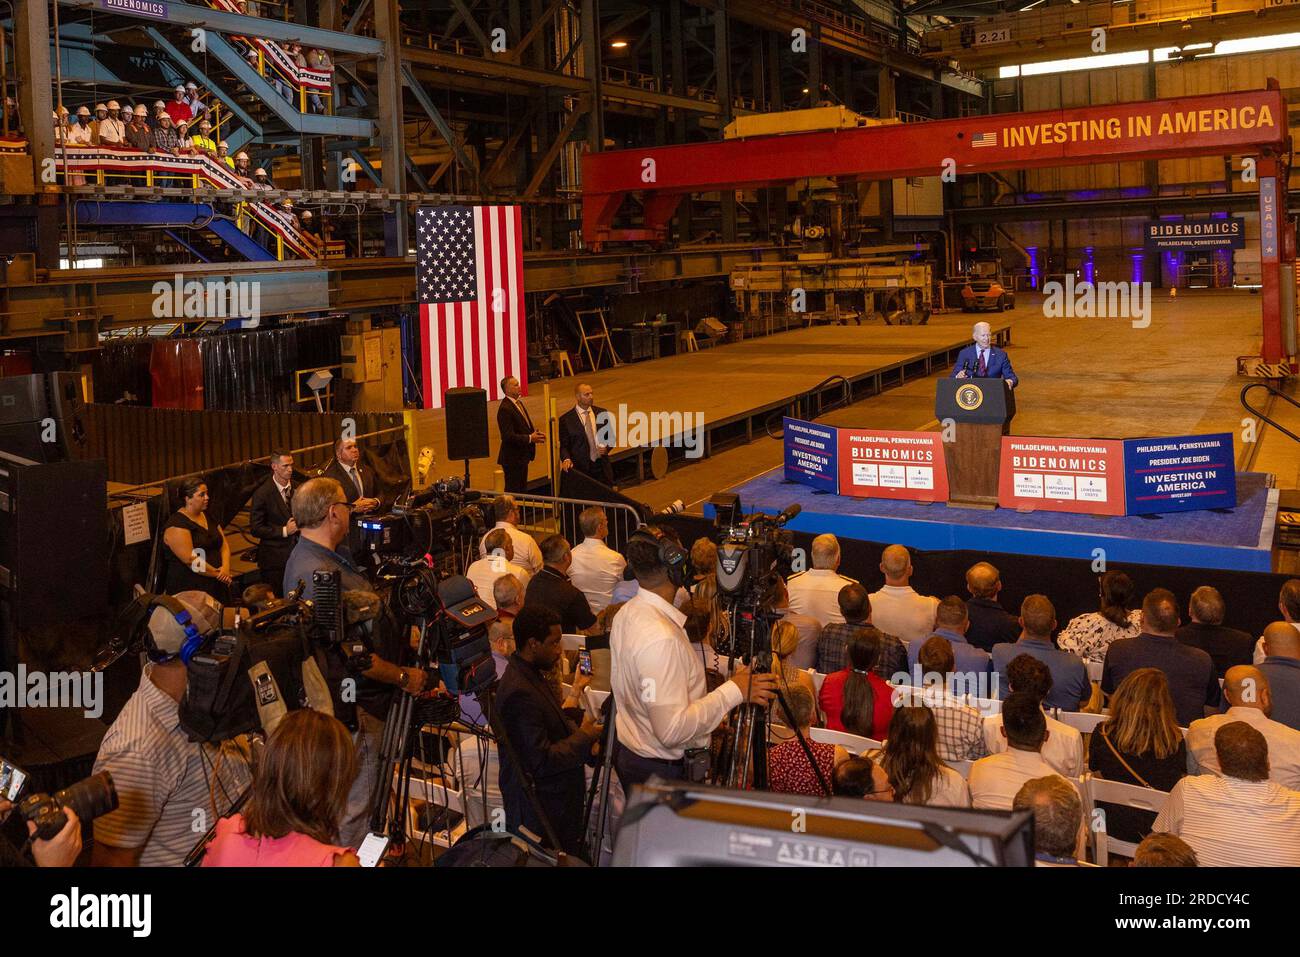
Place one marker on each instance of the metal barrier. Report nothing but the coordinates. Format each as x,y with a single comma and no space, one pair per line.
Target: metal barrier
544,515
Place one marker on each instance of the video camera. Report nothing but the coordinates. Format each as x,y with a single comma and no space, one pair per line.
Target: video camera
430,523
754,552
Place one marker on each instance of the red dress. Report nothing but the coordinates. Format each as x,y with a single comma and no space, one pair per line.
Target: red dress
831,699
789,772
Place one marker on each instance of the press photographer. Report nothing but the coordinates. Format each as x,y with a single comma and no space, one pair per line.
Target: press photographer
162,777
322,513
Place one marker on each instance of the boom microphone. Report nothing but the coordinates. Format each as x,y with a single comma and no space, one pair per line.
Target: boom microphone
789,512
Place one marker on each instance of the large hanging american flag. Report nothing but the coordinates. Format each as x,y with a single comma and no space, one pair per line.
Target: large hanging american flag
470,272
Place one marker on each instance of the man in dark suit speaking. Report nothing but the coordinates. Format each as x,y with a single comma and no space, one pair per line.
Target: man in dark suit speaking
271,520
982,360
519,437
581,431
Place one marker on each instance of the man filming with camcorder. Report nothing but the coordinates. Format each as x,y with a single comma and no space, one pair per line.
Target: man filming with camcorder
322,513
663,716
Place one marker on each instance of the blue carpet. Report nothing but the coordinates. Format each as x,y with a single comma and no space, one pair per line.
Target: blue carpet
1239,538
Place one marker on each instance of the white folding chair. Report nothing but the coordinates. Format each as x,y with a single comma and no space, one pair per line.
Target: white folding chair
1129,795
817,678
595,698
985,706
1082,721
853,742
1094,670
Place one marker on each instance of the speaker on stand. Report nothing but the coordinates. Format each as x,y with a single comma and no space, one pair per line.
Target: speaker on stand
467,425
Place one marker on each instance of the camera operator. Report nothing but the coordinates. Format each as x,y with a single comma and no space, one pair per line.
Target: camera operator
321,511
663,715
62,850
161,776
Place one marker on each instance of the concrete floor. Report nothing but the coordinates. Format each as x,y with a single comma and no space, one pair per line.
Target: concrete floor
1085,377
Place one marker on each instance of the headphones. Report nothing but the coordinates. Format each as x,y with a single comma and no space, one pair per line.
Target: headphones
193,640
671,555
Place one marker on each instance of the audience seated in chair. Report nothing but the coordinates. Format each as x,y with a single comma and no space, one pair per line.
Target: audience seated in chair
911,761
1249,699
1070,690
1058,817
1063,749
995,780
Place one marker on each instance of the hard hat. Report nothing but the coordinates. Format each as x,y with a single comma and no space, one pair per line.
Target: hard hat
306,214
223,145
241,155
179,89
288,203
63,109
141,110
83,111
159,105
163,115
191,85
205,126
260,172
114,105
100,106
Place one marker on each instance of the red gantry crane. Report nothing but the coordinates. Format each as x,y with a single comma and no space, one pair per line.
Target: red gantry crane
1253,123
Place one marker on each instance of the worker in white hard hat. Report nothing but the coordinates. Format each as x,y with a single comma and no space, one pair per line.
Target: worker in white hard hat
165,137
261,180
101,114
112,131
178,109
138,134
79,130
201,141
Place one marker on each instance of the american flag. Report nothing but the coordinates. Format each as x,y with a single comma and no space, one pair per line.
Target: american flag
470,275
984,139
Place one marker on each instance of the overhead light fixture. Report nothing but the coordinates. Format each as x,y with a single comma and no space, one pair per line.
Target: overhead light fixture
805,89
619,44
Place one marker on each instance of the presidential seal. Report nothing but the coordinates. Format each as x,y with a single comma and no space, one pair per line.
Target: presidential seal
970,397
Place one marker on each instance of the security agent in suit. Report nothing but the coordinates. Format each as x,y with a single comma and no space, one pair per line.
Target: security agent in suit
982,360
271,520
358,482
581,429
519,437
549,746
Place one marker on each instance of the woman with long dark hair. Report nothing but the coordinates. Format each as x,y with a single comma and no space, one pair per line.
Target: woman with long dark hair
856,699
196,555
911,760
1088,636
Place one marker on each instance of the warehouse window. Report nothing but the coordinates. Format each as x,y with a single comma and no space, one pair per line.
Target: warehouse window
1277,41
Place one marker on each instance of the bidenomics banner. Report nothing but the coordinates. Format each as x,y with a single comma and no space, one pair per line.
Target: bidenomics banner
900,465
811,454
1180,474
1062,475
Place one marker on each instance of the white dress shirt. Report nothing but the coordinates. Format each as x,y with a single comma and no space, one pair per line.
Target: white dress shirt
286,494
657,678
1283,745
1063,749
995,780
527,553
596,569
816,593
1233,823
484,573
899,611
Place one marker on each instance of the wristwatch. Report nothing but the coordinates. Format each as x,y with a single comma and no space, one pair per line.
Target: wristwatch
404,677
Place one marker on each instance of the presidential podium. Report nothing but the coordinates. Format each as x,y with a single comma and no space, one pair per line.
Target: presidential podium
981,410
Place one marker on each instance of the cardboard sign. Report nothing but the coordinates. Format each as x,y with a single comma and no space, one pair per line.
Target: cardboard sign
1062,475
811,454
1180,474
902,465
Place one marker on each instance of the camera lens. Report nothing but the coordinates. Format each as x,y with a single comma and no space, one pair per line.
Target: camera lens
90,797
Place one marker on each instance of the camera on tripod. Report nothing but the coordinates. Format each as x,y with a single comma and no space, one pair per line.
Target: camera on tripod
754,552
430,523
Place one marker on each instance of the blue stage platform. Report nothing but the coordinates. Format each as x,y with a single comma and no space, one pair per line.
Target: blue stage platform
1240,538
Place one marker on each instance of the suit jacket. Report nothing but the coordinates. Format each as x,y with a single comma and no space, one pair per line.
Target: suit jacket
335,471
574,444
550,747
516,446
999,365
268,514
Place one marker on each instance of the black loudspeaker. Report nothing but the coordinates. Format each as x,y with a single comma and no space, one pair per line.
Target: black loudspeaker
69,411
22,399
53,541
467,423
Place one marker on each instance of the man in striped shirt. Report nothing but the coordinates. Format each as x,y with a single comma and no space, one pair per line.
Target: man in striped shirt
1241,819
170,790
